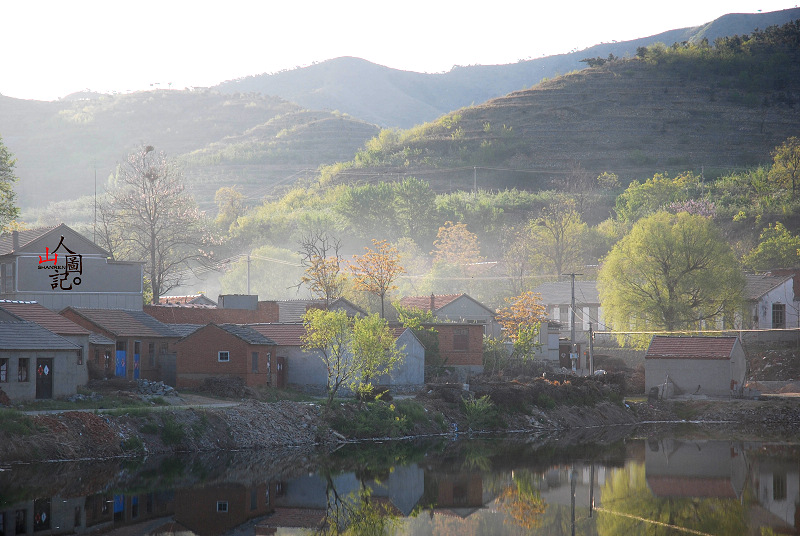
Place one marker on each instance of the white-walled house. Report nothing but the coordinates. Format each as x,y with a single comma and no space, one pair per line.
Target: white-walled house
714,366
771,302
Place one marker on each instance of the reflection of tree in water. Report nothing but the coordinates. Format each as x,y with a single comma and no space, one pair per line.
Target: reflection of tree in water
358,513
521,500
629,507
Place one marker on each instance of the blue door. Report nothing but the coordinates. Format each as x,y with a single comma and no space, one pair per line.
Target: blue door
121,369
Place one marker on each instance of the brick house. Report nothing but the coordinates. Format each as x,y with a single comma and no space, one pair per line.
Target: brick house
460,346
142,344
713,366
455,308
244,310
218,350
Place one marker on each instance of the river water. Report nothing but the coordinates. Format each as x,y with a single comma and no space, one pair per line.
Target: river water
607,485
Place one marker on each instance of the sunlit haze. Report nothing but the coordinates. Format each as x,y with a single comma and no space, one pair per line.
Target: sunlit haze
53,48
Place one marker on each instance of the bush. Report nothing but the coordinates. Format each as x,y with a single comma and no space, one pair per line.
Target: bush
480,412
545,401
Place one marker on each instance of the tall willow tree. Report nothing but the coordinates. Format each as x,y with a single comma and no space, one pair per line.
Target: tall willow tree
9,211
672,272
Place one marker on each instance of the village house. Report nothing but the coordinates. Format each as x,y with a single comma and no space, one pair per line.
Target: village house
58,267
142,344
460,347
771,302
713,366
306,370
225,350
35,363
54,322
459,308
290,311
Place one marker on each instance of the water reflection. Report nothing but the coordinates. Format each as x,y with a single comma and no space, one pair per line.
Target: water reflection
632,486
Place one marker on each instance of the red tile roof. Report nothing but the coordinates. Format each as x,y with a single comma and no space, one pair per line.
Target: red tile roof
38,313
282,334
124,323
666,347
424,302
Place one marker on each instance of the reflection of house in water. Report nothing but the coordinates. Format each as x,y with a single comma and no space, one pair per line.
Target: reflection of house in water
218,508
777,481
676,468
302,502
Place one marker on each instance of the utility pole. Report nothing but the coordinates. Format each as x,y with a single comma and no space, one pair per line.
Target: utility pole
475,180
574,351
248,274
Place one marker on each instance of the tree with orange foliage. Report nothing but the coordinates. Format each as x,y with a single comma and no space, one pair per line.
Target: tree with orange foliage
521,320
456,245
377,269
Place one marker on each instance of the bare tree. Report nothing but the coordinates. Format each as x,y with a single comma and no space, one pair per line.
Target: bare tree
147,216
320,256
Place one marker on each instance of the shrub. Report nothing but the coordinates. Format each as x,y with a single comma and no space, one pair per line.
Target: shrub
480,412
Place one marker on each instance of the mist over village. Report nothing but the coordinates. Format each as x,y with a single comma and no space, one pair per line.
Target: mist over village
554,296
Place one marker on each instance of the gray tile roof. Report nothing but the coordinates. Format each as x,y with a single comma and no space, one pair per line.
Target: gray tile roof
246,333
126,323
31,336
759,284
185,329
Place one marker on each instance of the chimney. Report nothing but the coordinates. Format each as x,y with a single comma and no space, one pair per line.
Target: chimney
433,302
14,240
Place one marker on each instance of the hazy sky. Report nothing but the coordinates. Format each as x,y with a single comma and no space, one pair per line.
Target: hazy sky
52,48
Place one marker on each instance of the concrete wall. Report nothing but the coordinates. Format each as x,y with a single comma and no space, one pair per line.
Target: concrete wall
67,374
466,310
411,372
713,376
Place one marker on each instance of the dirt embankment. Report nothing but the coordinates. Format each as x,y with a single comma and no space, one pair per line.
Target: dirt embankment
536,407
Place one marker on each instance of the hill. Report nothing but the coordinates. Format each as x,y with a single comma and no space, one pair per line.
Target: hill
59,145
394,98
674,109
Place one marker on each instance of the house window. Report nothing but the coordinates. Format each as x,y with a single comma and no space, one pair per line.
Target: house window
151,350
779,486
80,356
3,370
22,369
778,315
255,362
222,506
461,339
164,348
223,356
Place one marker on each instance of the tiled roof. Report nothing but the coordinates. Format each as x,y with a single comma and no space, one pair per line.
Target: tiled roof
126,323
31,336
560,292
756,285
246,333
185,329
25,237
100,340
423,303
666,347
38,313
282,334
197,299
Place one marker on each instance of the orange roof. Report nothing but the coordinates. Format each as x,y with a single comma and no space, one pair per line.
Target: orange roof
282,334
667,347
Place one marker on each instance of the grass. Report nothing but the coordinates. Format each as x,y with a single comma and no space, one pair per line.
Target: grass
480,412
381,419
13,422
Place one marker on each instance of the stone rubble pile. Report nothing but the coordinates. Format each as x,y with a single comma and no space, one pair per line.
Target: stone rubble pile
152,388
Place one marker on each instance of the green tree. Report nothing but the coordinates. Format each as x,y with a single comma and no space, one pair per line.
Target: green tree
355,351
642,199
557,238
230,205
9,211
777,248
786,164
671,272
147,216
